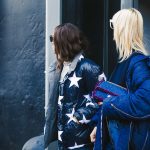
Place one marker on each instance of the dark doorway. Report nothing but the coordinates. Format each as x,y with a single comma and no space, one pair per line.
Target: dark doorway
88,16
92,17
113,7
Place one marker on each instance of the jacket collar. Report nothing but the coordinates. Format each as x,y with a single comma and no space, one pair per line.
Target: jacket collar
52,67
73,65
75,62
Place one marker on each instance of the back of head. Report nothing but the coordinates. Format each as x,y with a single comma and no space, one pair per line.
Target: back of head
68,41
128,32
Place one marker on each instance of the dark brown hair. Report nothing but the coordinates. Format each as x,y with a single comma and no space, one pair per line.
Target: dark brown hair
68,41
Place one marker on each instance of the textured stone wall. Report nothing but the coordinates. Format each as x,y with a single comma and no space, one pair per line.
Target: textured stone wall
22,52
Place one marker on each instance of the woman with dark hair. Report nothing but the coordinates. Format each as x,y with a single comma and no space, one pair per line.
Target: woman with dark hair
71,80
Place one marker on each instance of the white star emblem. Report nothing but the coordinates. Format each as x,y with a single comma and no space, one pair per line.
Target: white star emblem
59,99
74,80
59,135
81,57
87,97
84,120
76,146
71,115
90,103
102,77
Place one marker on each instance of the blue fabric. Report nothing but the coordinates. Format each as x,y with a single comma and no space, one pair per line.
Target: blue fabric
107,89
131,112
97,144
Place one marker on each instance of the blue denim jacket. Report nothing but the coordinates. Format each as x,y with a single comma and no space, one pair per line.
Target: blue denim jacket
126,119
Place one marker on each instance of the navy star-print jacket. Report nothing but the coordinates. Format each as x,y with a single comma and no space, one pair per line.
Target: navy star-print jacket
74,100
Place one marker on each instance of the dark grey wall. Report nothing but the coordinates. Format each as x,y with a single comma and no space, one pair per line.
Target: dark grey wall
22,50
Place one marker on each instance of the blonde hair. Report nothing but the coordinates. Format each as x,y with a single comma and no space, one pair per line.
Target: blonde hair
128,32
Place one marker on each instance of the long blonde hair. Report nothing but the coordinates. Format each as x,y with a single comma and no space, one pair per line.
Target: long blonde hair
128,32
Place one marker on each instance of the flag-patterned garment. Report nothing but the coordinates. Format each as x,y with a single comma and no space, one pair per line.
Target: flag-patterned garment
75,101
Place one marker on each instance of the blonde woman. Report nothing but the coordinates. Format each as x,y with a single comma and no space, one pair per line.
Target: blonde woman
127,117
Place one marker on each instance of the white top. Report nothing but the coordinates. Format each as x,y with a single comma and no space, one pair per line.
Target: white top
65,70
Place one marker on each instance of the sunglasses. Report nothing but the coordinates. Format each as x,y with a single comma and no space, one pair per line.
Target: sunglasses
51,38
111,24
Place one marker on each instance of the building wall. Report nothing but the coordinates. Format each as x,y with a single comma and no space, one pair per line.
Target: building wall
22,56
53,18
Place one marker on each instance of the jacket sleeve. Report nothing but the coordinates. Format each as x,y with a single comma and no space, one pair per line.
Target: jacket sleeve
135,105
50,128
92,74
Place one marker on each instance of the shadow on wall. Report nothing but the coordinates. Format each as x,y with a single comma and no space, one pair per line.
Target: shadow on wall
22,41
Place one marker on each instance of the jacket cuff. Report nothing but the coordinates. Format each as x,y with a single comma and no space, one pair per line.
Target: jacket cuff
96,118
107,109
78,116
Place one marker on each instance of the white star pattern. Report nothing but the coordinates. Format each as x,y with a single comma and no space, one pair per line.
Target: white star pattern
90,103
84,120
59,99
76,146
102,77
87,97
59,135
71,115
74,80
81,57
